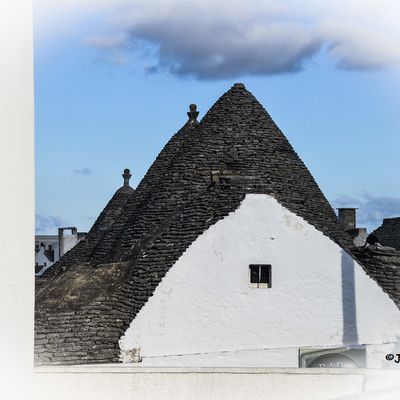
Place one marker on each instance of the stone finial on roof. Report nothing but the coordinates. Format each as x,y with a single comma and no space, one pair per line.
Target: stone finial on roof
126,175
239,86
193,113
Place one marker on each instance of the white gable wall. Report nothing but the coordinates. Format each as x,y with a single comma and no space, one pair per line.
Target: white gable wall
205,309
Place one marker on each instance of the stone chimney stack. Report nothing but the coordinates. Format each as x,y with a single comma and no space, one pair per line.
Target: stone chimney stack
67,242
347,218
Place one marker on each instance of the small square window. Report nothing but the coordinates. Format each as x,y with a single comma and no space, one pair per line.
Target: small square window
260,275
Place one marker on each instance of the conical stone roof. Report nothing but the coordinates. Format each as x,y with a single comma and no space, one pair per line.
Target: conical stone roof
201,175
83,251
237,136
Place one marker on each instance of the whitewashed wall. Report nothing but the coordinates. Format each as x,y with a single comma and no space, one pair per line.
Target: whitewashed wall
205,312
127,383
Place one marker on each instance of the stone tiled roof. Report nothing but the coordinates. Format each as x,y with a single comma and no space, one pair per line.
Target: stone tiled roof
149,195
202,175
82,315
235,135
388,233
83,251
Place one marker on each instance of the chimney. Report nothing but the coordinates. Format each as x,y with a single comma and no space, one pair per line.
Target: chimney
67,242
347,218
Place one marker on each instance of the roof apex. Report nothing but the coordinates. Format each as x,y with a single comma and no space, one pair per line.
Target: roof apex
238,85
126,188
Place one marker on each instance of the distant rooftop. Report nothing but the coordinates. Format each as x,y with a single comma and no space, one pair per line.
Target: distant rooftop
388,233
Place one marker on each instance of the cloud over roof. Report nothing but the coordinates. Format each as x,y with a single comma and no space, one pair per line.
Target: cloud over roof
229,38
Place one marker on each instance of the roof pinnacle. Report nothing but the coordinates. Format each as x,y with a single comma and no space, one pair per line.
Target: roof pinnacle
126,175
238,85
193,113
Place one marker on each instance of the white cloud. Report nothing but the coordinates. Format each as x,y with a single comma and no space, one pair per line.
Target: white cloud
48,224
228,38
114,47
354,46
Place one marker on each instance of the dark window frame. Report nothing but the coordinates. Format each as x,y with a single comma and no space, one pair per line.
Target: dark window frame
260,275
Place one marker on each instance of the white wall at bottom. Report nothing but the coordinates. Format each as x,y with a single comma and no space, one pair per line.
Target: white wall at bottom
123,383
375,357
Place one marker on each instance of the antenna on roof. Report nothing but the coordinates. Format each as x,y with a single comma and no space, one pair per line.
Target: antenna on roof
126,175
193,113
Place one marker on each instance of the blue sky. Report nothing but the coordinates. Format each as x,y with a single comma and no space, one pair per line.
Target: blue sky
113,81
